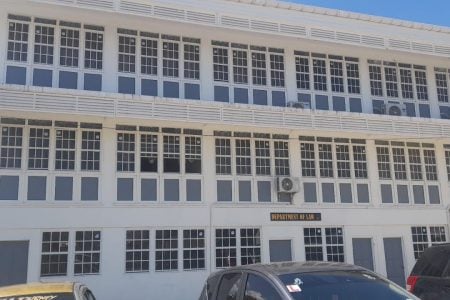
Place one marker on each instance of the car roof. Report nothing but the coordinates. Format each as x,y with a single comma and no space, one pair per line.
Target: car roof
295,267
439,247
37,287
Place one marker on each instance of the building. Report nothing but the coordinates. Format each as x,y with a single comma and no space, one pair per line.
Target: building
145,143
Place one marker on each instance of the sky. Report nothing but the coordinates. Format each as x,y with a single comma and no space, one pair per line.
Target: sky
424,11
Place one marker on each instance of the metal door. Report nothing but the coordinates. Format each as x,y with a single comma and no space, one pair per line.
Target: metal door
280,250
362,253
393,253
13,262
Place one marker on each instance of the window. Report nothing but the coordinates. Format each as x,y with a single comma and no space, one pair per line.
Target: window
38,148
447,161
191,61
343,161
93,50
194,249
220,60
420,240
87,252
69,47
415,164
360,161
307,151
166,250
281,158
226,252
43,44
442,86
390,74
314,246
437,234
240,67
399,159
250,246
55,248
337,76
125,152
149,56
406,83
171,145
193,154
229,286
326,160
262,150
243,157
127,54
149,153
277,70
259,68
376,80
421,84
429,157
90,150
11,147
302,72
137,251
223,156
170,59
384,163
353,82
320,74
18,41
65,150
258,288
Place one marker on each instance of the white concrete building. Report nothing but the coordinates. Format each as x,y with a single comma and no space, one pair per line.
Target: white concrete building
143,141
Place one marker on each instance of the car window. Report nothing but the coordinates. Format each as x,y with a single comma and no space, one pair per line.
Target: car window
431,263
88,295
229,286
257,288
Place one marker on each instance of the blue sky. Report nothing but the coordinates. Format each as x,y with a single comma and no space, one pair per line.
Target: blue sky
423,11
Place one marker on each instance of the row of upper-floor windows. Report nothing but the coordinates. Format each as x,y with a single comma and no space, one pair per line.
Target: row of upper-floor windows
241,73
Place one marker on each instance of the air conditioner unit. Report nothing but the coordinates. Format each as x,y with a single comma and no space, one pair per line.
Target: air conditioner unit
396,109
296,104
289,185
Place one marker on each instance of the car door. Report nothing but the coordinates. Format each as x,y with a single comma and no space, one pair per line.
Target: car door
259,287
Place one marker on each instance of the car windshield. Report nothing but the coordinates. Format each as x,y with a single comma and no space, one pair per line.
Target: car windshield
339,285
52,296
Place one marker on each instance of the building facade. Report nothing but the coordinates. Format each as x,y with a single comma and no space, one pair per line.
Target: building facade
146,144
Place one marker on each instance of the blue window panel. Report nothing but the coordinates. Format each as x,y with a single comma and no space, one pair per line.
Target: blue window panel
259,97
305,98
89,189
148,190
378,107
419,194
92,82
245,191
445,112
221,94
240,95
278,98
363,193
224,191
68,80
328,192
126,85
322,102
42,77
171,190
410,109
433,193
124,189
63,188
193,190
149,87
339,104
171,89
386,193
264,191
345,191
37,188
16,75
424,110
192,91
9,187
310,192
355,105
402,193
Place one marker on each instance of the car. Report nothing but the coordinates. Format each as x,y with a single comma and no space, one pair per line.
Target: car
430,277
46,291
301,281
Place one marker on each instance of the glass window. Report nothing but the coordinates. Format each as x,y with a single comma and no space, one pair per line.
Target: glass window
170,59
250,246
137,254
191,61
421,84
343,161
194,249
399,159
55,248
447,161
353,83
127,54
149,153
429,158
90,150
166,250
307,151
44,38
437,234
262,150
18,41
65,150
226,252
313,244
220,59
320,74
360,161
258,288
420,240
38,148
69,47
87,252
223,156
442,86
277,70
337,76
406,83
171,144
149,56
302,72
334,244
229,286
376,81
259,68
240,67
326,160
243,157
281,158
126,152
390,74
415,164
384,163
93,50
193,154
11,147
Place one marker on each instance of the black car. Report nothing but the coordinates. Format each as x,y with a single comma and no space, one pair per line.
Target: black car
430,277
301,281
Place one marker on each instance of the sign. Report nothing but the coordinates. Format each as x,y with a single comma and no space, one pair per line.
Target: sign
286,217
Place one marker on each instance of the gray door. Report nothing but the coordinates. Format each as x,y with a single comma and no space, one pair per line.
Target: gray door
362,253
13,262
280,250
393,253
